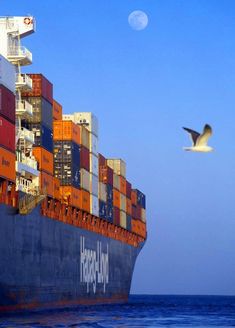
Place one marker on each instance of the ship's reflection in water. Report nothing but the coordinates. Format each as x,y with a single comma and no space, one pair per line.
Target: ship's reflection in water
141,311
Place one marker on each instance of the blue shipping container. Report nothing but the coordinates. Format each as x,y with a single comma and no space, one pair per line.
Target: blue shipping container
102,209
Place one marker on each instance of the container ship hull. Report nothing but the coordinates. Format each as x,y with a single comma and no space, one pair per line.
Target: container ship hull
46,263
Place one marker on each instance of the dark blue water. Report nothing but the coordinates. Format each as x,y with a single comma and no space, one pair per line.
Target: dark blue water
141,311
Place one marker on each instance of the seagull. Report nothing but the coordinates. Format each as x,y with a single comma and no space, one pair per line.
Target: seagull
199,140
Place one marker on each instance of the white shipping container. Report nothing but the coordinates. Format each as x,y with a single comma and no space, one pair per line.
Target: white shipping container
143,214
94,164
94,205
102,192
7,74
116,181
88,119
118,166
123,202
85,138
123,219
85,180
93,144
94,184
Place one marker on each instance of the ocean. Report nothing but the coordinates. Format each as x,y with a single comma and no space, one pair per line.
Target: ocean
141,311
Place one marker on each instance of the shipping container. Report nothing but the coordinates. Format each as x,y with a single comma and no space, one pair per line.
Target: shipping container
57,111
106,174
85,204
138,227
143,214
57,188
128,189
116,198
85,179
140,198
123,219
116,216
102,209
85,136
42,111
43,136
134,197
7,74
94,185
102,160
122,202
116,181
45,159
94,205
93,144
66,130
94,166
84,158
109,189
102,192
109,212
7,104
71,196
7,164
128,206
122,185
118,166
67,151
128,222
41,88
88,119
68,174
7,134
47,183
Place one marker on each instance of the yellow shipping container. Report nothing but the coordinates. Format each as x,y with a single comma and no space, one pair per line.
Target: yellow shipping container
123,219
118,166
116,181
122,202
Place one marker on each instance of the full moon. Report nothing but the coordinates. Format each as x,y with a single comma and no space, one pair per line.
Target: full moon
138,20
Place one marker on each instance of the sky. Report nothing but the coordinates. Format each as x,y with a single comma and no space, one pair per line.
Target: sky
144,86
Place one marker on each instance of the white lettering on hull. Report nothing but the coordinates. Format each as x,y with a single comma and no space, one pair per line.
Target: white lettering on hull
94,266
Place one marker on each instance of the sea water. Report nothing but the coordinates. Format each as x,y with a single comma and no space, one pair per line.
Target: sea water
141,311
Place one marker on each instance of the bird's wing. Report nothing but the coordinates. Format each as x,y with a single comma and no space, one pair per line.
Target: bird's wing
207,132
193,134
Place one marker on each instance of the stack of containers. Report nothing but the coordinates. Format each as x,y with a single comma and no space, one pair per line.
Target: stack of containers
105,190
41,98
128,206
7,120
119,191
90,121
71,162
138,211
57,111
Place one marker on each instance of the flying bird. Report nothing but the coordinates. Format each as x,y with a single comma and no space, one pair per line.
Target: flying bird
199,140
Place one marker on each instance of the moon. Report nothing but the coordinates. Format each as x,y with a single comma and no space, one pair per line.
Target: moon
138,20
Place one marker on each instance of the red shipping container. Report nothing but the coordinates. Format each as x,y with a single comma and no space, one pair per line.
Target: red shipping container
102,160
128,189
7,104
85,158
7,134
41,88
106,174
116,216
57,110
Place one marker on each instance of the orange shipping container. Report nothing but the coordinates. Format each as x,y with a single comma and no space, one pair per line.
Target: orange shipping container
85,200
66,130
138,227
7,164
47,183
57,110
122,185
128,206
45,159
116,198
134,197
57,188
71,195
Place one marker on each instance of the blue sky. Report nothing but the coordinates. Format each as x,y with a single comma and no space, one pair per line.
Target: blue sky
144,86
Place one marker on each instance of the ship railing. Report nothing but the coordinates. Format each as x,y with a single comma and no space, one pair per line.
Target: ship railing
23,107
26,186
26,134
19,53
27,160
24,81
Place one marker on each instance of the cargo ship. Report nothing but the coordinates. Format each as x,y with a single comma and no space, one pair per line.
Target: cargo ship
71,225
